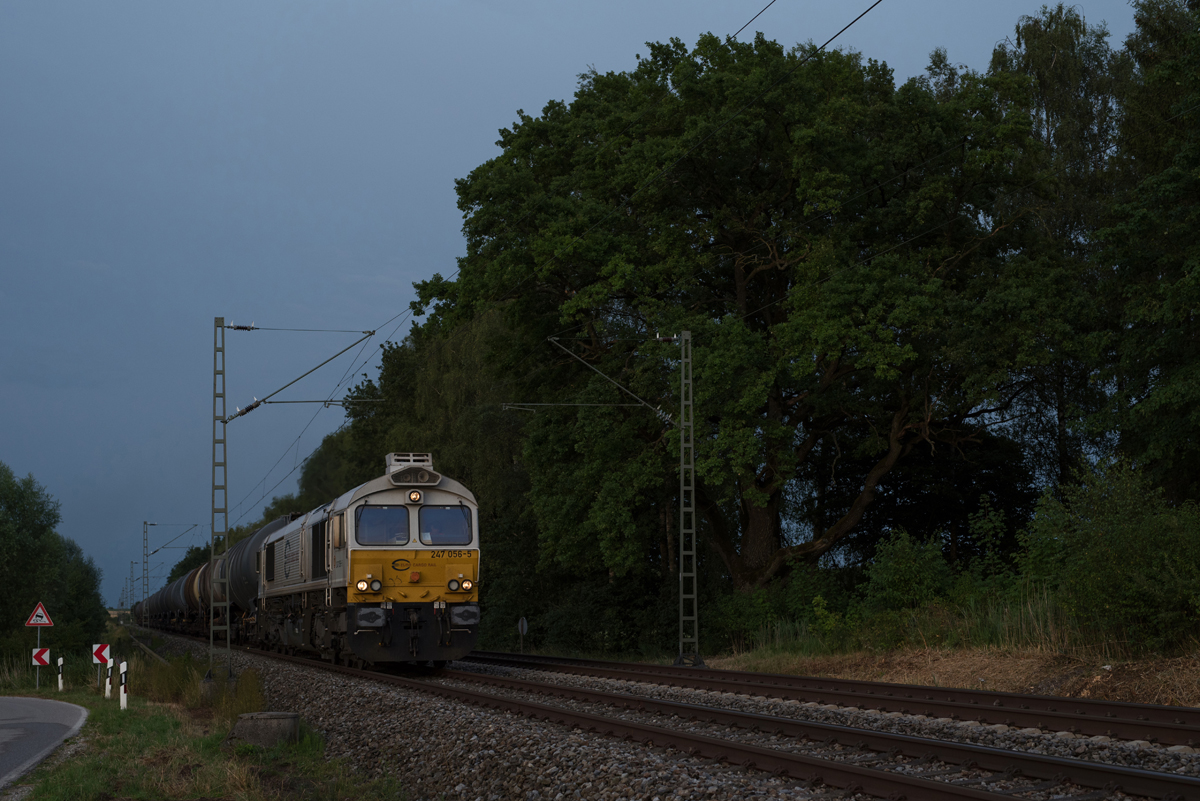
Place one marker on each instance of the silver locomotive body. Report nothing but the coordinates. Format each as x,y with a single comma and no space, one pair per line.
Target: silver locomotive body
388,572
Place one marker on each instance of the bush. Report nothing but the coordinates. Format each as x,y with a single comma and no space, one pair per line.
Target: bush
1123,561
906,574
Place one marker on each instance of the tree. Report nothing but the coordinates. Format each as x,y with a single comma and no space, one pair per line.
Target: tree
1152,251
1075,80
935,493
853,260
28,516
1123,561
41,566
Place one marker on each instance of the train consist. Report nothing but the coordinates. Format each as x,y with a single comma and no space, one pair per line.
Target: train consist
388,572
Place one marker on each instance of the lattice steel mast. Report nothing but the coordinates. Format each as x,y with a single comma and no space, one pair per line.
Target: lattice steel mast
689,622
218,609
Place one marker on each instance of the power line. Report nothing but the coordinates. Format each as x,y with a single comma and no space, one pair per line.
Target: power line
168,542
253,327
295,442
258,402
327,403
756,16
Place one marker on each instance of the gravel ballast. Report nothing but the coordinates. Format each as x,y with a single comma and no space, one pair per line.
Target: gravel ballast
445,749
1137,753
439,748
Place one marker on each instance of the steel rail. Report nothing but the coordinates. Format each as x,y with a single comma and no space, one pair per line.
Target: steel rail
1182,715
1135,781
1150,722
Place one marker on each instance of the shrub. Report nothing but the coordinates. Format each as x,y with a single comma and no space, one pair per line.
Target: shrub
906,574
1123,561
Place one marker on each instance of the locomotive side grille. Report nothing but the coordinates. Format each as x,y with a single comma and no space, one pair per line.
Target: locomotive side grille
317,551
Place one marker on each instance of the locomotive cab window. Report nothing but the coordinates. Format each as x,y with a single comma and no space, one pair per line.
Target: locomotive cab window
445,525
381,525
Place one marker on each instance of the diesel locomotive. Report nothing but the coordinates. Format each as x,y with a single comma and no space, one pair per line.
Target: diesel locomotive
387,572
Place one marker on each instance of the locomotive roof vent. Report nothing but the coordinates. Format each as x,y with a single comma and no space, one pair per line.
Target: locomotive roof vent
408,469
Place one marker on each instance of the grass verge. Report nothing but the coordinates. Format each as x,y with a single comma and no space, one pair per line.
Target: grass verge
169,745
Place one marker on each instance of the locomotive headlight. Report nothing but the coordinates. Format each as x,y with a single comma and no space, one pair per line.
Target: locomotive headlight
467,585
414,496
453,585
361,585
376,585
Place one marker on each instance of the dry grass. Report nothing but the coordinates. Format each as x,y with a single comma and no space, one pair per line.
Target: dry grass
1155,680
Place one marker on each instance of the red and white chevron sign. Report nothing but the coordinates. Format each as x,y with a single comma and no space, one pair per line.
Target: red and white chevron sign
100,654
41,656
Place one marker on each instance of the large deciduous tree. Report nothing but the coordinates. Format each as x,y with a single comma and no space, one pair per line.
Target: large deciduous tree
854,260
1075,79
1152,248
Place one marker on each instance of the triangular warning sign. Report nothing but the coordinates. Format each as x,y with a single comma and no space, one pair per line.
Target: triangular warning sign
39,617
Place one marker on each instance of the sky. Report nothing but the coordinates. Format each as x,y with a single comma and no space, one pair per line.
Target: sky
290,164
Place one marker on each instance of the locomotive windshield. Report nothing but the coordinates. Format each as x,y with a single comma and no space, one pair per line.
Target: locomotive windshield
445,525
381,525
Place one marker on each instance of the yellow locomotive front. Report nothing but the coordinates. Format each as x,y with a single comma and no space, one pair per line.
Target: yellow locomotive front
413,565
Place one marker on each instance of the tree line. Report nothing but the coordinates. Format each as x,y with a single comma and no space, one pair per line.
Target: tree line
42,566
940,328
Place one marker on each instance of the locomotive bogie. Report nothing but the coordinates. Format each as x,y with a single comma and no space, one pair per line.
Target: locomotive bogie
413,632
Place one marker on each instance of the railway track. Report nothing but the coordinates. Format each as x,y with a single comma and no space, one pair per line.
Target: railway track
961,766
1167,725
821,755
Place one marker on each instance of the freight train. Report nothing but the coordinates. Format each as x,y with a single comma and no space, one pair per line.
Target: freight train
386,573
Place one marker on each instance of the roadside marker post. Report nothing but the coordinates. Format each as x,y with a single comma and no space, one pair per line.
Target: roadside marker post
100,659
41,657
108,682
124,685
39,618
60,661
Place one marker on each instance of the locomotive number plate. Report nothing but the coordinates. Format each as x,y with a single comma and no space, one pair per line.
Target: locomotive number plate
451,554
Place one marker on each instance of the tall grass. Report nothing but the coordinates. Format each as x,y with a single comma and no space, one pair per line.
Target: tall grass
19,675
1032,621
180,681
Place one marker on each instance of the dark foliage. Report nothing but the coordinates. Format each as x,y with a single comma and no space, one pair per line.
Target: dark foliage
42,566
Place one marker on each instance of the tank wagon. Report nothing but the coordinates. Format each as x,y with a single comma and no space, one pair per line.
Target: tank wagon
388,572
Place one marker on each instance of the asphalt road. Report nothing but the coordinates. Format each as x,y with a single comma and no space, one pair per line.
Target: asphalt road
30,729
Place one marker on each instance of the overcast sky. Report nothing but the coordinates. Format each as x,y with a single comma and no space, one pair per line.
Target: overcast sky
290,164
